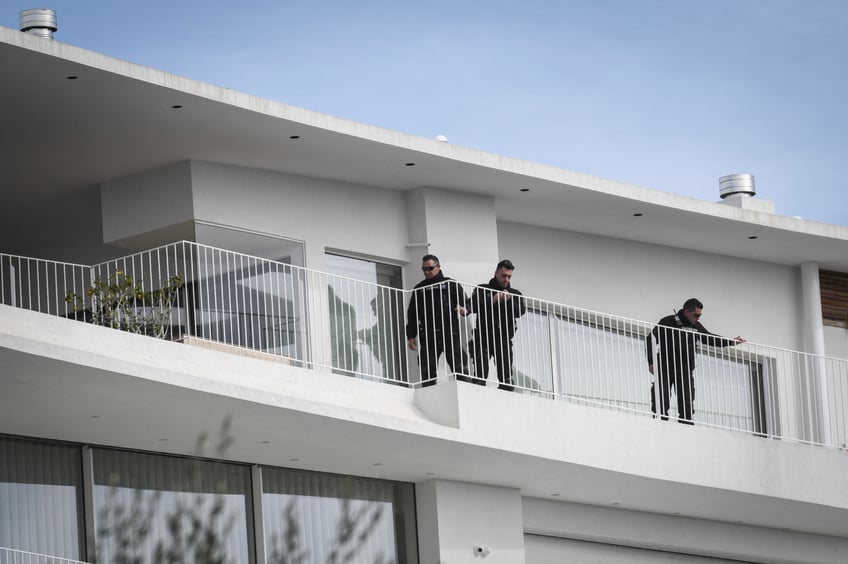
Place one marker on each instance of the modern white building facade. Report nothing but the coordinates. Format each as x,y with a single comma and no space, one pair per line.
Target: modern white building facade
297,431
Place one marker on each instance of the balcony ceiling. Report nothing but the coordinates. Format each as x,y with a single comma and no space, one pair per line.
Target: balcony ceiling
60,137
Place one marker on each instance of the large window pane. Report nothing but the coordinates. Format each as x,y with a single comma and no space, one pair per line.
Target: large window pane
313,517
152,509
533,369
366,317
40,498
602,365
248,302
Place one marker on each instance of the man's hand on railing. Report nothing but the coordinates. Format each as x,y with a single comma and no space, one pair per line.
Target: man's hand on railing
462,311
739,340
501,297
412,344
651,368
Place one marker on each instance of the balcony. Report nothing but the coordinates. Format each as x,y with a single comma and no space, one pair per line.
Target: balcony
215,298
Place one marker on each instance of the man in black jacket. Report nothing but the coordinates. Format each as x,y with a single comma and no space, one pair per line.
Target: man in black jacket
676,337
432,321
498,306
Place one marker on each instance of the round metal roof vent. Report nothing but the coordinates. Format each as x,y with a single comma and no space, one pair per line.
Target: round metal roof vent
736,184
39,21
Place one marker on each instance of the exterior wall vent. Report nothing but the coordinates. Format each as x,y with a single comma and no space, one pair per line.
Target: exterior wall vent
39,21
736,185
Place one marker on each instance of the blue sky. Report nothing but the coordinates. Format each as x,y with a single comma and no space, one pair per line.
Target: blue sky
666,94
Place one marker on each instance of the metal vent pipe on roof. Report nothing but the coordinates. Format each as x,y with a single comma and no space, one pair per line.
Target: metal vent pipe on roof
39,21
736,185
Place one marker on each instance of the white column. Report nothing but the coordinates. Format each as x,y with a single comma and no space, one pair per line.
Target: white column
813,330
462,523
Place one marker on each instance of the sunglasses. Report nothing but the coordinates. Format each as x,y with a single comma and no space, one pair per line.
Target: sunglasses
429,268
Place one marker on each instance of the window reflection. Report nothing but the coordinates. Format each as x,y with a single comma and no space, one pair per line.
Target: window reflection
324,518
40,498
602,362
152,509
366,317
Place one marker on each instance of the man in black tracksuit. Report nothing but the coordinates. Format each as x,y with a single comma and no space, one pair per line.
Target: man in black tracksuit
676,336
433,323
498,306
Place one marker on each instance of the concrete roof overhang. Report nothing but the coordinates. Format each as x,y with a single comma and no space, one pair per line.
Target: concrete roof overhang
62,136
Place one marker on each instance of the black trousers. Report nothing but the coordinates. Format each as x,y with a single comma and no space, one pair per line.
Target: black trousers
684,387
501,349
430,349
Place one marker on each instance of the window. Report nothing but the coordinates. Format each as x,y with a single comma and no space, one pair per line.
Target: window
598,360
153,508
366,317
313,517
41,498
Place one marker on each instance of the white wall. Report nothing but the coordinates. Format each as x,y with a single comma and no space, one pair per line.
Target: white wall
146,202
759,301
461,230
836,342
454,518
679,534
357,219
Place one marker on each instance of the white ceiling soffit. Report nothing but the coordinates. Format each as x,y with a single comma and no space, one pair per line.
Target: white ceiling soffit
62,135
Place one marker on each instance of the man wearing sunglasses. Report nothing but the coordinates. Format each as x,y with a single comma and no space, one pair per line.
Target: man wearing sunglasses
676,338
433,321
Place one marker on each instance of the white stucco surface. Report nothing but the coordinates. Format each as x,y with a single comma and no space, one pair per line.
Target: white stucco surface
757,300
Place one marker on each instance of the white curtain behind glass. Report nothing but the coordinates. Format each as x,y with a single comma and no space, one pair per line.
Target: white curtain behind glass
141,499
39,498
316,517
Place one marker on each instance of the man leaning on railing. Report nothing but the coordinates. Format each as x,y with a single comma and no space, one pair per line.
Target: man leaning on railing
676,336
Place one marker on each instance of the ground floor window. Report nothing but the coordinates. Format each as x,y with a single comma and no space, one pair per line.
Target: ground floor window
150,508
311,517
41,498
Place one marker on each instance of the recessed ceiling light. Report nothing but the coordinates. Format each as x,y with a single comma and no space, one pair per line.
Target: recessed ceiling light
72,77
294,460
753,237
294,136
177,106
554,495
95,417
378,464
264,442
639,214
410,164
163,440
525,190
430,474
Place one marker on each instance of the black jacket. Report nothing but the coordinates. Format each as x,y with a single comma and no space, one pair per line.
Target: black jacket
676,340
496,319
432,307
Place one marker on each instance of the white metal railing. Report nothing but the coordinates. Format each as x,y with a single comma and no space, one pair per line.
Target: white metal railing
13,556
323,321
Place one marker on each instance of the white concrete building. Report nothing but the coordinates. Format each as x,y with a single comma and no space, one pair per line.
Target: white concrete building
99,449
